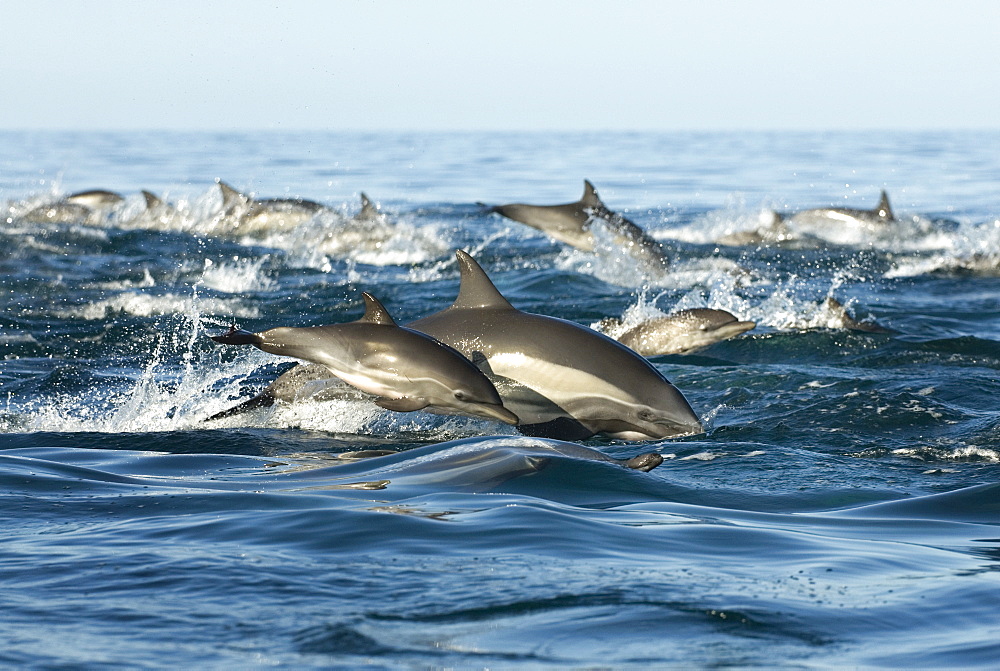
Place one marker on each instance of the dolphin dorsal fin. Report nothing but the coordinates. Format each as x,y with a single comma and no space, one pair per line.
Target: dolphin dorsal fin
375,312
152,200
231,196
476,289
883,210
590,197
368,209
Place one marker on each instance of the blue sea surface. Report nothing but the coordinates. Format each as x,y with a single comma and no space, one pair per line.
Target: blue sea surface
841,509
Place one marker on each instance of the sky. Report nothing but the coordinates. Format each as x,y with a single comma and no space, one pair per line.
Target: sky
499,65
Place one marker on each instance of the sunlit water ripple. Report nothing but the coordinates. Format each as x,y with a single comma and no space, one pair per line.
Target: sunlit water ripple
841,508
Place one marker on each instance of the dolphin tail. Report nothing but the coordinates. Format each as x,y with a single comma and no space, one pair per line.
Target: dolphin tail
235,336
263,400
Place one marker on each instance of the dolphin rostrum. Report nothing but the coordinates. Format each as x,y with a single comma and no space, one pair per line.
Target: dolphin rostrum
244,214
561,379
573,223
681,332
405,370
877,217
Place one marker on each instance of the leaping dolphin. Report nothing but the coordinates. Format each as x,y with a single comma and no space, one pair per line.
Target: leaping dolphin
243,214
572,223
404,369
877,217
561,379
681,332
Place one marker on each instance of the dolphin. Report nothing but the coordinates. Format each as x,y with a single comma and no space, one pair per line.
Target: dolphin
877,217
477,464
573,224
682,332
244,214
95,199
561,379
405,370
772,230
87,207
302,381
840,318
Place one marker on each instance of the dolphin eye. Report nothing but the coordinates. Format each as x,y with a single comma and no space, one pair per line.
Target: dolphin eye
646,416
460,395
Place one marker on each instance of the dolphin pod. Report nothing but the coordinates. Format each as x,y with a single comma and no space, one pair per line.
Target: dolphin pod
682,332
573,224
403,369
562,380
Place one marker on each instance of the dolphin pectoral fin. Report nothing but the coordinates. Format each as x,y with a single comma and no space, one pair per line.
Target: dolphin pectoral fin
235,336
645,462
404,404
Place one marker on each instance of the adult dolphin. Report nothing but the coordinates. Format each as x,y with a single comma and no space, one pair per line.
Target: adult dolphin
877,217
573,224
405,370
561,379
681,332
243,214
89,207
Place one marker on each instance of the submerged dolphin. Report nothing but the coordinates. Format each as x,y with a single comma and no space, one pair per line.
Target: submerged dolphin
572,223
405,370
682,332
243,214
481,463
562,380
877,217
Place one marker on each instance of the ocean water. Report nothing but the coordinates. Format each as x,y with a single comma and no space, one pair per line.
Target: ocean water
841,508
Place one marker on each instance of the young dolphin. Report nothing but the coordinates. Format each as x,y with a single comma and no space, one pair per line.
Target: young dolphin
682,332
561,379
572,223
877,217
405,370
243,214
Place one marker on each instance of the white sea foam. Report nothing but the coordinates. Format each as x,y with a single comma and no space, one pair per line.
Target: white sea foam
238,276
146,305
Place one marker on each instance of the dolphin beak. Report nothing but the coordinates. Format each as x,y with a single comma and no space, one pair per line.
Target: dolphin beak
736,328
686,429
498,412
